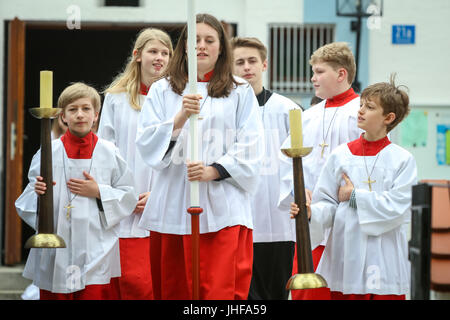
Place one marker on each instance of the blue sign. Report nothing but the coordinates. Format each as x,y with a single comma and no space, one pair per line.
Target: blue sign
403,34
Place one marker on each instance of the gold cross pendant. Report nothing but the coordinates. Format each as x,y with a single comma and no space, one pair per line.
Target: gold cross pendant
323,145
370,183
68,207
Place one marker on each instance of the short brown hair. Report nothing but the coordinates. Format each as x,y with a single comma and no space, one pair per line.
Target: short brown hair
77,91
222,80
249,42
392,99
337,55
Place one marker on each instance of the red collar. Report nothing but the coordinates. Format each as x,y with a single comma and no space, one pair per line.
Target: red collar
362,147
79,148
144,89
341,99
207,76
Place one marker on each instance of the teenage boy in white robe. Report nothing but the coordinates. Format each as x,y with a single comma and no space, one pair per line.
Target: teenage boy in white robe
273,232
325,125
92,178
364,195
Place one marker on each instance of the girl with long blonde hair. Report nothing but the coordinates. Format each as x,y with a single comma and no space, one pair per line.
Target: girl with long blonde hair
123,101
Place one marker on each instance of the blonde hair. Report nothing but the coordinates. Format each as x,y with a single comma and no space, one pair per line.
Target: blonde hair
129,80
392,99
337,55
77,91
249,42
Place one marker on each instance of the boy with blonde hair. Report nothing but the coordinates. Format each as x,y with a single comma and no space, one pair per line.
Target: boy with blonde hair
364,196
93,191
325,125
273,231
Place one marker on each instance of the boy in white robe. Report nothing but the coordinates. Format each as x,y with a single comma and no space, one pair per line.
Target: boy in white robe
118,124
273,231
92,178
364,194
230,151
325,126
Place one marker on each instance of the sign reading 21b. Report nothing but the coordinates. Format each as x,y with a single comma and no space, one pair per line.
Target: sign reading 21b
403,34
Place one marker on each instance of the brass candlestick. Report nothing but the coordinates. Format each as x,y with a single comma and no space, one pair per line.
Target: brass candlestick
46,238
305,278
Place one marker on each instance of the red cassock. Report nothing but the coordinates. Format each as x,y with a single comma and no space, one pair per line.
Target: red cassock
219,279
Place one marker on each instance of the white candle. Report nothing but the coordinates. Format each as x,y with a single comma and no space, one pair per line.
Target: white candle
192,70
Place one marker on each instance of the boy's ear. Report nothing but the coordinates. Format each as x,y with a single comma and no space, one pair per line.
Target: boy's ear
389,118
63,118
96,116
265,65
342,74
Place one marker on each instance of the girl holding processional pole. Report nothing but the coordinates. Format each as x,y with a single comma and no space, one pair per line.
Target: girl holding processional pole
230,150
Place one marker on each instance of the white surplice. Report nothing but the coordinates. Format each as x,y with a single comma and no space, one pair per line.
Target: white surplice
91,236
118,124
343,129
341,125
271,223
366,251
230,134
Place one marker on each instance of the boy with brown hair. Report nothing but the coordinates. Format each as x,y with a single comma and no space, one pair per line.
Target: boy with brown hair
93,191
273,231
364,196
325,125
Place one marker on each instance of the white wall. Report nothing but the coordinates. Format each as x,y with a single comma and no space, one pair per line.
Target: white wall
425,66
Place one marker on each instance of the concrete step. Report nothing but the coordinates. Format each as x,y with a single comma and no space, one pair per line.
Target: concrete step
12,284
11,294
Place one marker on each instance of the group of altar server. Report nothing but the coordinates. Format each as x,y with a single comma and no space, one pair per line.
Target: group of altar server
121,196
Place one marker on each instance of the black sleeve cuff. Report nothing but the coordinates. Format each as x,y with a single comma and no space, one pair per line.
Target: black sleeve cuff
171,144
99,204
223,173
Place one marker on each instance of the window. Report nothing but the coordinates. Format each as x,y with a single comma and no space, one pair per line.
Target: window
291,46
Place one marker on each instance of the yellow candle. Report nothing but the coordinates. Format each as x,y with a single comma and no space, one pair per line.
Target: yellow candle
46,92
295,123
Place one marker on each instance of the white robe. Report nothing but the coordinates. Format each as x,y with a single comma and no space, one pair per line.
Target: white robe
92,252
230,134
366,251
343,129
270,223
118,124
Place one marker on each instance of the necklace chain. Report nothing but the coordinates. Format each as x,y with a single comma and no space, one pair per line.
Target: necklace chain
69,198
373,167
324,136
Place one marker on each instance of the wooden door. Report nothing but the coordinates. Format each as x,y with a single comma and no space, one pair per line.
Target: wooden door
14,139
